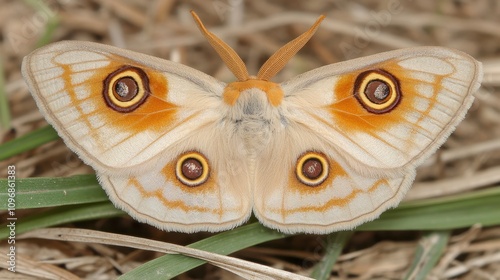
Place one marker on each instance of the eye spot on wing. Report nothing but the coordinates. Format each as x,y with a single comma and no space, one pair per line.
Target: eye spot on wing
312,169
314,172
136,107
355,107
192,169
377,91
191,172
126,89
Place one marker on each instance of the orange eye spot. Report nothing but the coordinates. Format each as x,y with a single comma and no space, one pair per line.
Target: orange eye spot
126,89
377,91
192,169
312,169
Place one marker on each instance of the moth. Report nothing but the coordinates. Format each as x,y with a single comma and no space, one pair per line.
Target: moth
325,151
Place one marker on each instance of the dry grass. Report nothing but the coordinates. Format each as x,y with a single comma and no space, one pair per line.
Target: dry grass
469,160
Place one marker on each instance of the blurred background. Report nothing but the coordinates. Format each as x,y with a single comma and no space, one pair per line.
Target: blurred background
469,160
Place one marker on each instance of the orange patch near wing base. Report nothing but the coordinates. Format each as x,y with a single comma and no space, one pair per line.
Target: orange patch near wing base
273,91
154,114
334,171
169,173
350,114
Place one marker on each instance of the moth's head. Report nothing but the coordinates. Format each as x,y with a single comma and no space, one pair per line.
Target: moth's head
271,67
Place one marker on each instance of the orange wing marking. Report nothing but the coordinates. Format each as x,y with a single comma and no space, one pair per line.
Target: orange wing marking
334,171
273,91
155,114
172,204
208,186
336,202
352,116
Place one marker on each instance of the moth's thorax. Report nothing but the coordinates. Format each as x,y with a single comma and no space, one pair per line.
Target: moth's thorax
272,90
253,111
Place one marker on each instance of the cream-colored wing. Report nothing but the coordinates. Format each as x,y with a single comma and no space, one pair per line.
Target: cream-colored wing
388,111
201,184
353,134
115,108
303,185
152,130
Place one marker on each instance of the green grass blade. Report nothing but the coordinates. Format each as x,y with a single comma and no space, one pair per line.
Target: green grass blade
452,212
172,265
4,101
62,215
432,214
429,250
169,266
47,192
52,20
335,243
50,28
27,142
